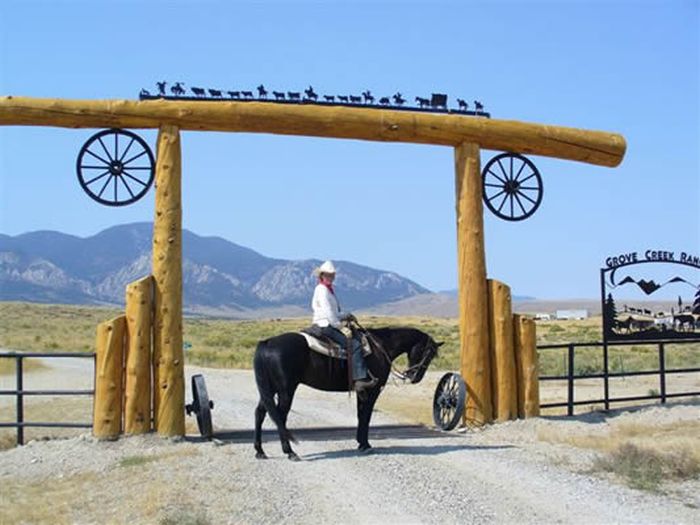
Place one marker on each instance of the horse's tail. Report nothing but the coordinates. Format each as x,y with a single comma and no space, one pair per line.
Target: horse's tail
267,390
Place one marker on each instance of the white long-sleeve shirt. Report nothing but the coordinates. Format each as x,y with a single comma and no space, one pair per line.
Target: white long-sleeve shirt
325,307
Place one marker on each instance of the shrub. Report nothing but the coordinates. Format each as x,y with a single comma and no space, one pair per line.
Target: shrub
646,469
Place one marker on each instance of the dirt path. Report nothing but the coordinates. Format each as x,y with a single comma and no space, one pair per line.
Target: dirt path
499,475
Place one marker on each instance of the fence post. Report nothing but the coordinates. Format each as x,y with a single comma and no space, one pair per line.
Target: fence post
570,379
107,413
137,385
20,401
504,383
606,379
662,372
527,367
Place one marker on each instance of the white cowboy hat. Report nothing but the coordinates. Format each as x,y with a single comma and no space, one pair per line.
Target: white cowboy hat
326,267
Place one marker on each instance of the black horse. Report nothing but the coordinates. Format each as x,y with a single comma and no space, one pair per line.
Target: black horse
281,363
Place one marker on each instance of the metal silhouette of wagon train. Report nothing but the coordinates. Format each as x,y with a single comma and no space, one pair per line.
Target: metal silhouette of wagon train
437,102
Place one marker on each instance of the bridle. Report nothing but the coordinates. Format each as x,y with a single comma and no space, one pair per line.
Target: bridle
403,376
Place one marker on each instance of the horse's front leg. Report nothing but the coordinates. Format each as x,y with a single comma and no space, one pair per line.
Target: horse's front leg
365,407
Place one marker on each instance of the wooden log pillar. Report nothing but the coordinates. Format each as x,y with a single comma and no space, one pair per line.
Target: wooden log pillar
109,363
527,366
471,270
503,374
139,334
169,378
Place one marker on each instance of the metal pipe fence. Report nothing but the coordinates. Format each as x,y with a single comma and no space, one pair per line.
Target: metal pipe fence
571,377
19,392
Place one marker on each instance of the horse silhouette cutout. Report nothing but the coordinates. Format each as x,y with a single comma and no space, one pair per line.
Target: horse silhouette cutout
367,95
262,93
399,100
311,94
200,92
247,94
463,106
215,93
329,98
478,106
177,89
278,95
343,98
234,94
294,95
423,102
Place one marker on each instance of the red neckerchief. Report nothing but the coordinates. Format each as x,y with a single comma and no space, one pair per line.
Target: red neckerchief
328,285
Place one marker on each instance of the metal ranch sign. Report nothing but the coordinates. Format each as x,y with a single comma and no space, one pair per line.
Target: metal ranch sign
652,256
676,315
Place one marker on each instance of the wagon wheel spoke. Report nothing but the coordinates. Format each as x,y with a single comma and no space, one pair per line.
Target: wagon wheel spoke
126,150
104,187
526,197
503,169
517,176
497,176
505,198
98,177
97,157
126,160
121,178
109,155
520,203
528,177
127,174
134,157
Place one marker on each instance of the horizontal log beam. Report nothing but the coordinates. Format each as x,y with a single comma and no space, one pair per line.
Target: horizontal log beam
386,125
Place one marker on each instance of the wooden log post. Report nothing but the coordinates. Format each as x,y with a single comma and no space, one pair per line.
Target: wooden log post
169,378
109,363
503,374
139,334
471,270
527,366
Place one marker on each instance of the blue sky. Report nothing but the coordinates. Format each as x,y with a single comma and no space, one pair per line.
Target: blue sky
627,67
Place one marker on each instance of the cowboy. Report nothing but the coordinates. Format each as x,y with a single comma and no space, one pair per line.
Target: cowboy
329,317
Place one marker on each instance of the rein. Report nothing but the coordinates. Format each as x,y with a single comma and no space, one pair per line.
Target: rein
403,376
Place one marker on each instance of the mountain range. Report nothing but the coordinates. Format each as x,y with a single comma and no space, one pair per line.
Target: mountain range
219,277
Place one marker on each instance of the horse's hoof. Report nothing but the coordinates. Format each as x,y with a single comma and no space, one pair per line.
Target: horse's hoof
260,455
293,457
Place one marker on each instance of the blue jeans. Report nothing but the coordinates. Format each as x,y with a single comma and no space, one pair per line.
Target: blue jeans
359,367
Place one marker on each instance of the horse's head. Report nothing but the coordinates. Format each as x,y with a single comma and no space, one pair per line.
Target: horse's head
419,357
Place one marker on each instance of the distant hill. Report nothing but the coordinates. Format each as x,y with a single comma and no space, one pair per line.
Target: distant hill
219,277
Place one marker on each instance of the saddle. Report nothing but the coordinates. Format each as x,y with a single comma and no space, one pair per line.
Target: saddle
322,344
326,346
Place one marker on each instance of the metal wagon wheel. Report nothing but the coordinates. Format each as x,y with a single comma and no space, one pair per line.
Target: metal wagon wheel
512,186
115,167
201,406
448,402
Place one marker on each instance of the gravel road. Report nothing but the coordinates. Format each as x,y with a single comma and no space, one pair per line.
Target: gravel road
502,474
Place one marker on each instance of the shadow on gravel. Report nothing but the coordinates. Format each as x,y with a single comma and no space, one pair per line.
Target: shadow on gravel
378,432
400,450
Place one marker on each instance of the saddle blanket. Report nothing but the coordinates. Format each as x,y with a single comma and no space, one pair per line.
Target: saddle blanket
325,347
